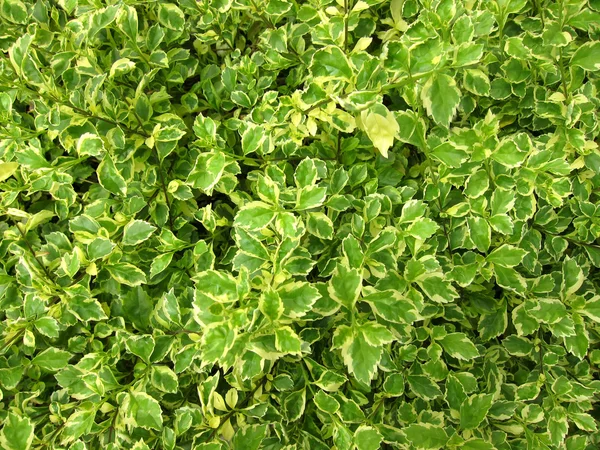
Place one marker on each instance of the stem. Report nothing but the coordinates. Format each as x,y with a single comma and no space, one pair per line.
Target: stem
164,189
346,25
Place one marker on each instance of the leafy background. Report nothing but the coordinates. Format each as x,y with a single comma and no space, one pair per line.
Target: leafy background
305,225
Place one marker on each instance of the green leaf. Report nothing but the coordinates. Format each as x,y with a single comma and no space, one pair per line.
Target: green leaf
298,298
215,342
253,138
164,379
306,173
170,16
110,178
90,145
438,289
480,233
508,154
7,170
426,436
423,387
367,438
48,326
79,423
360,357
15,11
17,433
476,82
287,341
441,97
137,231
474,410
423,229
448,154
330,63
126,273
310,197
143,410
250,437
320,225
326,403
52,359
381,127
391,306
558,425
459,346
128,22
141,346
572,277
271,305
506,256
345,285
207,172
254,216
99,248
587,56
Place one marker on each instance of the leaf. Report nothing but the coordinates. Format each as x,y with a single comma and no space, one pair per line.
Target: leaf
426,436
298,298
7,170
381,127
480,233
441,97
141,346
17,433
423,387
287,341
459,346
137,231
587,56
254,216
271,305
215,342
360,357
310,197
99,248
207,172
345,285
170,16
367,438
438,289
306,173
508,154
52,359
126,273
15,11
506,256
329,63
110,178
143,410
79,423
474,410
572,277
391,306
448,154
250,437
164,379
320,225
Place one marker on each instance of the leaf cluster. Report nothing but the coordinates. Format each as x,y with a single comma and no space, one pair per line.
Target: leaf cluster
282,224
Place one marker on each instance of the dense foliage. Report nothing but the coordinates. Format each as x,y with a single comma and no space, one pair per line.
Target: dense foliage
304,225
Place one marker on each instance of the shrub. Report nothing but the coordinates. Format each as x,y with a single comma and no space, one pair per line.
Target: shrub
277,224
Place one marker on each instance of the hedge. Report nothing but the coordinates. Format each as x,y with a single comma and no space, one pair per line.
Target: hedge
282,224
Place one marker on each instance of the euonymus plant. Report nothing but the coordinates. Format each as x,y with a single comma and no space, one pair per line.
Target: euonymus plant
284,224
